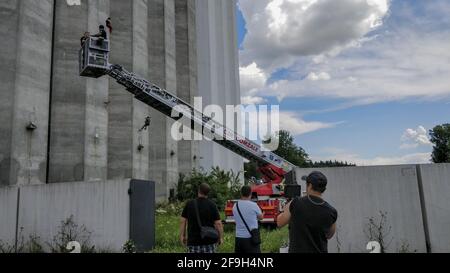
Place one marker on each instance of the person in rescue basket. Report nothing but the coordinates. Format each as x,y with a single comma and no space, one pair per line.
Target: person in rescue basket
246,215
312,221
204,226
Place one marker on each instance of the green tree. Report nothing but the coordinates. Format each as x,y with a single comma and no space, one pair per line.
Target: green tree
224,185
251,170
440,137
288,150
330,164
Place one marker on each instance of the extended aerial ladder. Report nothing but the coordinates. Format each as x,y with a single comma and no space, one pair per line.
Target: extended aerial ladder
276,171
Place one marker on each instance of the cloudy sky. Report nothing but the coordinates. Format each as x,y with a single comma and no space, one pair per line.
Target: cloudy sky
356,80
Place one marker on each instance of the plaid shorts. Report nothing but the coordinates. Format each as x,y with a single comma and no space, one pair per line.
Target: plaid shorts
202,249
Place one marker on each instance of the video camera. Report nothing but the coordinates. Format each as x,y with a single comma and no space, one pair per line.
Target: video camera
292,191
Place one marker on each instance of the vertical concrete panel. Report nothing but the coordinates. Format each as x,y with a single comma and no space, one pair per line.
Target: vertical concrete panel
103,208
78,130
215,70
127,115
360,193
68,111
162,70
193,70
120,135
9,24
172,175
186,75
8,212
32,92
156,52
96,117
204,72
228,93
207,72
235,162
28,96
140,110
217,76
436,190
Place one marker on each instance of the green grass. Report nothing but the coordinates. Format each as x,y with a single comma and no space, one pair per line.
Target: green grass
167,236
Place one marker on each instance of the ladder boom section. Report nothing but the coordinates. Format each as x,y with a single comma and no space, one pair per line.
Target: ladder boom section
167,103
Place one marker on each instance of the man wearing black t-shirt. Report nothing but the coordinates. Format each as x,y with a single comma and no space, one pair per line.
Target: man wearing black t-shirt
209,217
312,221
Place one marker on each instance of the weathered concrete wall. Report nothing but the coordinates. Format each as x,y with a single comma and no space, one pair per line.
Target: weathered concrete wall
8,214
107,213
232,78
26,29
186,46
79,119
360,193
162,71
141,159
127,115
436,195
102,207
217,71
8,30
96,117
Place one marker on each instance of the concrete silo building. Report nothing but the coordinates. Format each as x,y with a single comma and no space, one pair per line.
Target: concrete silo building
57,127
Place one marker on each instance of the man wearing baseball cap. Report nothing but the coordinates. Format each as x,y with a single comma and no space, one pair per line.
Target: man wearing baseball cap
312,221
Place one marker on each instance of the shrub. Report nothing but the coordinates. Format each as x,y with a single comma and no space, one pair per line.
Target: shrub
70,231
129,247
405,248
224,185
32,244
379,230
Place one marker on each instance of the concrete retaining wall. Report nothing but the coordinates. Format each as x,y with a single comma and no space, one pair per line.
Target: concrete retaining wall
360,193
436,196
102,207
8,212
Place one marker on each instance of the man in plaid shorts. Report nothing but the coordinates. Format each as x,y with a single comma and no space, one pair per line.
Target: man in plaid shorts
209,217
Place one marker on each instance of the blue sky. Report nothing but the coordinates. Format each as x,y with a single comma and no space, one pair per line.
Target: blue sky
365,91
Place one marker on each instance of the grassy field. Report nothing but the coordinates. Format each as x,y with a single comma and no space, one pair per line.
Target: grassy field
167,235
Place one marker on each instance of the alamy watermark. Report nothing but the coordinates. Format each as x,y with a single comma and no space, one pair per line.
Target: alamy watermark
230,123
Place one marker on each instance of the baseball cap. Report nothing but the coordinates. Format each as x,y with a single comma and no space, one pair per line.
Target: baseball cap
317,179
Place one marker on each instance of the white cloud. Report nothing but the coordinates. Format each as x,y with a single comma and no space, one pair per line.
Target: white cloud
322,76
281,30
248,100
413,138
401,65
341,155
297,126
252,79
401,62
288,121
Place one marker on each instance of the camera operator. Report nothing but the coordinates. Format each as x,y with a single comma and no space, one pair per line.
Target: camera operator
312,221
